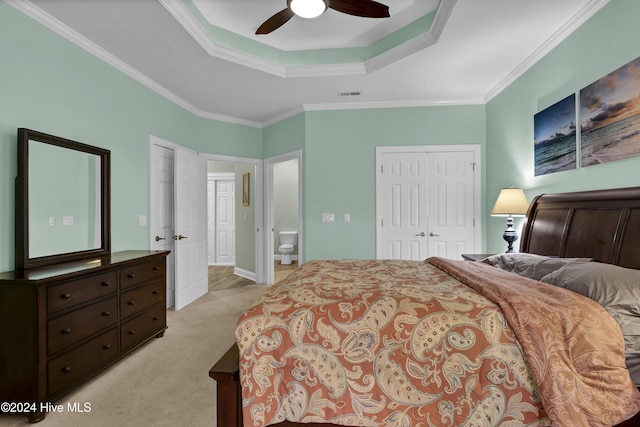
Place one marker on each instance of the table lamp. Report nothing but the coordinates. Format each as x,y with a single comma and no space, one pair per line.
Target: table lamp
510,202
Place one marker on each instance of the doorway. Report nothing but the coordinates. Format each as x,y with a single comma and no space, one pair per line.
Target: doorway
177,201
221,220
427,201
283,176
248,241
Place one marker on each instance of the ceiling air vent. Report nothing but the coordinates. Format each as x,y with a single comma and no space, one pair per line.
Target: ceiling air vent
352,93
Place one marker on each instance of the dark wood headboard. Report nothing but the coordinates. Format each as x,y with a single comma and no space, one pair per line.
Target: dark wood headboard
601,224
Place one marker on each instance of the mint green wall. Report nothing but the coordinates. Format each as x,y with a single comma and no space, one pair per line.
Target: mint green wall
285,136
339,167
51,85
604,43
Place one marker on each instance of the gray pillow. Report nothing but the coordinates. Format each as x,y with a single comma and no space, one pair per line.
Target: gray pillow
615,288
532,266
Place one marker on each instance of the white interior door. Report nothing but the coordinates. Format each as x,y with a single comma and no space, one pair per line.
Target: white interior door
161,204
451,208
403,178
225,222
427,202
190,228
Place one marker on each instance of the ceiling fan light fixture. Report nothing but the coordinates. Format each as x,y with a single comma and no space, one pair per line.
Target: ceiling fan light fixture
308,8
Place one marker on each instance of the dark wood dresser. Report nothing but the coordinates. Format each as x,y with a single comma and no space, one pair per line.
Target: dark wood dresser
61,325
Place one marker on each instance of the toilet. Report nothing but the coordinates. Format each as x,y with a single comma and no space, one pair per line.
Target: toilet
288,242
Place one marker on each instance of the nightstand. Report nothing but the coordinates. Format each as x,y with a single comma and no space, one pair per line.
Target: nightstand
475,257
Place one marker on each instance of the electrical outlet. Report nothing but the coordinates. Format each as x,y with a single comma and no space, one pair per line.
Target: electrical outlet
142,220
68,220
347,217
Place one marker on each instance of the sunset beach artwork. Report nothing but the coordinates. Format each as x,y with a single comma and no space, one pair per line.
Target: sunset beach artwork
555,137
610,116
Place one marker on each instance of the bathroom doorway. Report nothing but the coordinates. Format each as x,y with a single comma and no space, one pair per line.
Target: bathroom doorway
283,206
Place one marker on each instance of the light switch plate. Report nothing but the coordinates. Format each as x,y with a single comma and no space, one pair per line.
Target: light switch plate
327,217
142,220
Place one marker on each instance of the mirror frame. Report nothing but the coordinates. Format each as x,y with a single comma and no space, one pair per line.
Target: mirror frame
23,260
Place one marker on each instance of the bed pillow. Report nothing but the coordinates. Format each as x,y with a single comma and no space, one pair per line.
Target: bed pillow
532,266
615,288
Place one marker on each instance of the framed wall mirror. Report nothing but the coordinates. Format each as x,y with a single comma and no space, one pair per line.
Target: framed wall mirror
62,200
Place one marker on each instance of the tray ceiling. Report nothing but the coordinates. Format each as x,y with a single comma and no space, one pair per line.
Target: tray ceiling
203,55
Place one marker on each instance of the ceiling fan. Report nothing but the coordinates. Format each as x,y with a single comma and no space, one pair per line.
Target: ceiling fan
314,8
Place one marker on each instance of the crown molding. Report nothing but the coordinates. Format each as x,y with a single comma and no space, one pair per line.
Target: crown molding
580,18
423,41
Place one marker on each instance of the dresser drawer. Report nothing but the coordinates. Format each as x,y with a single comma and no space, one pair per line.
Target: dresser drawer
78,291
139,328
73,365
70,328
139,299
141,273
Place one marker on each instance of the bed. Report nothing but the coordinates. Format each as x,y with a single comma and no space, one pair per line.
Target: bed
509,341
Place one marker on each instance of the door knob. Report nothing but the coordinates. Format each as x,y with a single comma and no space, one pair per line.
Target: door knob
421,234
432,234
158,238
179,237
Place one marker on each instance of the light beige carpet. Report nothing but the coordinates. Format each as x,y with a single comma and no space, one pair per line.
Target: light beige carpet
166,382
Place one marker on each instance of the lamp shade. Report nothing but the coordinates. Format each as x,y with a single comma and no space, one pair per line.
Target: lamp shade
308,8
510,202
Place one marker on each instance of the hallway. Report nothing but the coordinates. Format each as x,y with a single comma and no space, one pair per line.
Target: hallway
222,277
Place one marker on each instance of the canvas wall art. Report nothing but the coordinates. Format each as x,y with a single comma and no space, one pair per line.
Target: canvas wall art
610,116
555,137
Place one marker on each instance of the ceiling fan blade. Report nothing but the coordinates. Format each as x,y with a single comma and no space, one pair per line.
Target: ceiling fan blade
365,8
275,22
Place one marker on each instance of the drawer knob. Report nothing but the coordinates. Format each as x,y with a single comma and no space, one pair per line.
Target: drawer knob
131,276
156,292
105,284
131,303
156,268
106,346
106,313
156,318
65,296
66,369
133,332
66,331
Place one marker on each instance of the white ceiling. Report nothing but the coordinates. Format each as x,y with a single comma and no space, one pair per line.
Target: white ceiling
477,48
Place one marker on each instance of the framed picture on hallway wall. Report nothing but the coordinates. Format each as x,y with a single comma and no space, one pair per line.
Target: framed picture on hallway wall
245,189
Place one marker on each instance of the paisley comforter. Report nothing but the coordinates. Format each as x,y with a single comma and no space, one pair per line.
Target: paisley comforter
436,343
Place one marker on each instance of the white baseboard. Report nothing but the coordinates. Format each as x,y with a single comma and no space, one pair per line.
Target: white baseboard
278,257
244,273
